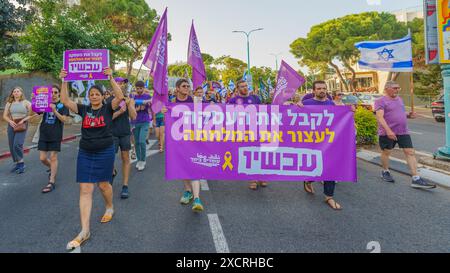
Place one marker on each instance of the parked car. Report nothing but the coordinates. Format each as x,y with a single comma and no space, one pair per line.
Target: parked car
438,110
368,100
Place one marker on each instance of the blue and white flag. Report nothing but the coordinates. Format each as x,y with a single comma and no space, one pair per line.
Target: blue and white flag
205,87
78,86
231,85
86,100
269,84
393,56
222,90
244,78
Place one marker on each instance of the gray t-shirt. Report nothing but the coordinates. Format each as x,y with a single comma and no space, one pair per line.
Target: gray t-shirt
18,110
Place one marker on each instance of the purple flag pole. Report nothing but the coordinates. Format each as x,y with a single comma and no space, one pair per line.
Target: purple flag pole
195,59
288,81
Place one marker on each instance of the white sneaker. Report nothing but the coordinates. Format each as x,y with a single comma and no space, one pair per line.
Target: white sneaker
141,166
138,165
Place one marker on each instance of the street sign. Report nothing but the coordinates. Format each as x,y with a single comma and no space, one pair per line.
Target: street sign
431,32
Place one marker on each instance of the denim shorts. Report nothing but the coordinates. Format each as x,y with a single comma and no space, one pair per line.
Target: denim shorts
159,122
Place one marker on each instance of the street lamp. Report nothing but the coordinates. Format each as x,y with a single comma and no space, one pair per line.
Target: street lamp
248,44
276,59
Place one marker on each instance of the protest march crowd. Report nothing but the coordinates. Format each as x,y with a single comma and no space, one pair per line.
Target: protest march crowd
118,118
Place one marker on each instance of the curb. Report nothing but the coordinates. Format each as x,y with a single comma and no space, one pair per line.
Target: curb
26,150
438,177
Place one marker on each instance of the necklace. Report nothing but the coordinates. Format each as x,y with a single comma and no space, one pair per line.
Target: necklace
96,115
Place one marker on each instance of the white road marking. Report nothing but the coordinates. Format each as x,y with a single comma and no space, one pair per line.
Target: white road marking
219,238
149,152
416,133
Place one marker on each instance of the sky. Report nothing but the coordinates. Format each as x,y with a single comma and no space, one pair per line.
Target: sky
283,22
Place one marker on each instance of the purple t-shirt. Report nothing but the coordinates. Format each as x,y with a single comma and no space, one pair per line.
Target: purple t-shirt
188,100
311,95
252,99
318,102
142,115
394,114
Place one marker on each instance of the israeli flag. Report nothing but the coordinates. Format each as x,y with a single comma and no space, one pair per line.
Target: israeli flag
231,85
244,78
205,87
269,84
86,100
393,56
78,86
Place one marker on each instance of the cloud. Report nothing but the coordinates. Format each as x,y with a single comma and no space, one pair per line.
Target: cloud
373,2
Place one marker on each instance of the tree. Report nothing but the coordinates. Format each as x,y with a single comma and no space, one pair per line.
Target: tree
230,68
133,20
59,28
13,21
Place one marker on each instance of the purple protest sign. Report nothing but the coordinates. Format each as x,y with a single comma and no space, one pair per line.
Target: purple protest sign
86,64
288,81
42,98
195,60
260,142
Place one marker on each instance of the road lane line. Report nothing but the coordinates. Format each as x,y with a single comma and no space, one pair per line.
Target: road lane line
219,238
416,133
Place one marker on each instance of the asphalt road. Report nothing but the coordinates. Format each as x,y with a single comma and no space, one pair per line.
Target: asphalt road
281,218
426,133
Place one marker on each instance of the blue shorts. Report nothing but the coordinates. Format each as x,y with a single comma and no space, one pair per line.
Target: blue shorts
159,122
94,167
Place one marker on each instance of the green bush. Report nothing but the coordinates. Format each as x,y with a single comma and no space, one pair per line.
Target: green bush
366,126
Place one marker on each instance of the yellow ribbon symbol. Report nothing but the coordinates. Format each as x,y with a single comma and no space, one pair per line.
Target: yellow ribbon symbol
227,163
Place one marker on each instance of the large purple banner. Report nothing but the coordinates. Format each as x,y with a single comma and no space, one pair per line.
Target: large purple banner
260,142
86,64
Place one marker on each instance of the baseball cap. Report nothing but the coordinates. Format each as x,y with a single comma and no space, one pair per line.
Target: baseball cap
120,79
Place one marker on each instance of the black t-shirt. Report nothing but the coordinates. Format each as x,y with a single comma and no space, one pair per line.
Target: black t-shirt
51,128
96,129
121,125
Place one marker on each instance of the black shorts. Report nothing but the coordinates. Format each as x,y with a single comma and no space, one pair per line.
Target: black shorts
45,146
124,142
404,142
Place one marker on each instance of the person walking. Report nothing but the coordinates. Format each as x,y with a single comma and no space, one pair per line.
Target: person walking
321,98
95,160
393,130
121,131
50,137
243,97
17,113
191,187
141,124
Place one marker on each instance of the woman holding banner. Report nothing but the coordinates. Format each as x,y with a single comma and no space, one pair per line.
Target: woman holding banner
50,136
17,113
95,161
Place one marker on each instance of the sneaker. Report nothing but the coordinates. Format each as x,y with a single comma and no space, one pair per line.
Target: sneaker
197,206
20,168
138,165
124,194
141,166
187,198
387,177
422,184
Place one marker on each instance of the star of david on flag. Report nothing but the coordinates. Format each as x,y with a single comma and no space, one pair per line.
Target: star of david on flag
393,56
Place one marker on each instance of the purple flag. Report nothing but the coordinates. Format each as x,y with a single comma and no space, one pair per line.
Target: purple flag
158,101
288,82
156,57
195,60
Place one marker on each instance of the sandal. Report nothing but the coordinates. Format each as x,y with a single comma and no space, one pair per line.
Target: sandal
107,217
253,185
78,241
308,187
333,204
50,187
263,184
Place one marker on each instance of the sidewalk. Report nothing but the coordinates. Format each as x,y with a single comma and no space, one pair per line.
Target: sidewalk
434,170
71,131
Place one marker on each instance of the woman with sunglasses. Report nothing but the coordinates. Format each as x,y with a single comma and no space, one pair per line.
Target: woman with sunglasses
50,137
